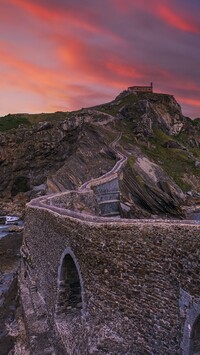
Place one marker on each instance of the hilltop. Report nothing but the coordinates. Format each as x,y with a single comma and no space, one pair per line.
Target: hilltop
53,152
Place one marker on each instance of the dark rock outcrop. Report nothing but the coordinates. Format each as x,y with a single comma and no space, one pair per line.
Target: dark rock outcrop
9,256
150,193
151,111
29,155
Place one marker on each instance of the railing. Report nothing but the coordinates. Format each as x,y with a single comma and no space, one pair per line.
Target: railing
110,174
46,202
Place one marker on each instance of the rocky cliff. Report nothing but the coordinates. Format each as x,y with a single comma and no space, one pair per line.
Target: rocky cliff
29,154
47,153
9,256
66,149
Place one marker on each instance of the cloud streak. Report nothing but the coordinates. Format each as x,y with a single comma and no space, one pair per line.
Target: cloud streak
171,17
69,54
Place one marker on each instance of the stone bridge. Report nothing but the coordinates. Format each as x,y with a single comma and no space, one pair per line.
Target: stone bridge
103,285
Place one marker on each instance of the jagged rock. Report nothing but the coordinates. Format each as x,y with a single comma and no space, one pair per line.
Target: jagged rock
63,154
146,185
15,228
9,254
173,144
154,111
28,155
197,164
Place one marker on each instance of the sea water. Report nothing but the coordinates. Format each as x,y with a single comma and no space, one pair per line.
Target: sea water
4,228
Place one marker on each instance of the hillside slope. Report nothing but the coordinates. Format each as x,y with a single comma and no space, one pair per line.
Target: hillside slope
66,149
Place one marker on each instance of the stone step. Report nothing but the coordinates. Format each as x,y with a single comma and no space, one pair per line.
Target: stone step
112,214
108,207
107,186
109,202
107,197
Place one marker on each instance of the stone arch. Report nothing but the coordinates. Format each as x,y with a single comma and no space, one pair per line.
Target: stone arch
195,338
70,296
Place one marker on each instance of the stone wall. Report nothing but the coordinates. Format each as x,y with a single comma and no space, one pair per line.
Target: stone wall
132,274
140,89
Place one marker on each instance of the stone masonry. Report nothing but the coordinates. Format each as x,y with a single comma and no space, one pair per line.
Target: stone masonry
98,285
133,276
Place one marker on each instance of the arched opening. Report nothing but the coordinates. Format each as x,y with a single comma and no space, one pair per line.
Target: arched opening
69,299
195,338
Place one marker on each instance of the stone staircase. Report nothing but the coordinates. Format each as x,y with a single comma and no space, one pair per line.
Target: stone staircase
108,198
106,187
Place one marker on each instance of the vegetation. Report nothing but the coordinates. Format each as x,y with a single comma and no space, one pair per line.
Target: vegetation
12,121
126,127
131,161
196,122
56,116
15,120
176,162
112,108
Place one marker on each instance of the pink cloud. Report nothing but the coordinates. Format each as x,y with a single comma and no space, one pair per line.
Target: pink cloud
174,19
55,16
193,102
69,53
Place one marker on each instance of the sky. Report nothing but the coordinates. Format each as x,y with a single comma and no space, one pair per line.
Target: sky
62,55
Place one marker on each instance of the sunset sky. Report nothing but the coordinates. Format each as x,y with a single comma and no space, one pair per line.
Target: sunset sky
59,55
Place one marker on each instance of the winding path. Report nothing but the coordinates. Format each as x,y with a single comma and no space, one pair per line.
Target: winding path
117,167
47,202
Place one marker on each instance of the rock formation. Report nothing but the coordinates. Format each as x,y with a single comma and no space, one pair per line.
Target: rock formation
9,256
145,134
71,148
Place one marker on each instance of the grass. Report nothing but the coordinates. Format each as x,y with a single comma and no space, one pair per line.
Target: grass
183,139
196,122
195,152
13,121
56,116
114,109
131,161
175,162
126,127
161,137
